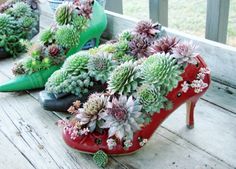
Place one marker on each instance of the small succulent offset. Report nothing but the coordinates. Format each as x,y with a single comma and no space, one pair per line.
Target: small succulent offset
124,79
100,66
47,36
100,158
184,53
162,71
122,117
151,98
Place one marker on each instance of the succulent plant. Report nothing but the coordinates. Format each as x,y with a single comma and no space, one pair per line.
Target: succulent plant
146,29
79,22
6,24
151,98
85,8
76,81
64,13
47,36
100,158
165,45
18,69
125,36
67,36
20,9
162,71
138,46
121,49
122,117
184,53
100,66
123,79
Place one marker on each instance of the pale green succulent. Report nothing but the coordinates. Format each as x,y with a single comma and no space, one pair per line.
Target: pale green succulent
122,117
64,13
6,23
79,22
76,80
125,36
123,79
100,66
47,36
151,98
20,9
162,71
100,158
67,36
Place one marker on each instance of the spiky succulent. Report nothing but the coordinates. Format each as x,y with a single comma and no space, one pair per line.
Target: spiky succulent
64,13
146,29
85,8
184,53
162,71
6,24
77,79
164,45
79,22
100,66
122,117
123,79
67,36
47,36
138,46
151,98
125,36
20,9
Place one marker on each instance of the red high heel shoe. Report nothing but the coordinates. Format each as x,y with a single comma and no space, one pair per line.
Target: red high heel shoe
93,142
112,123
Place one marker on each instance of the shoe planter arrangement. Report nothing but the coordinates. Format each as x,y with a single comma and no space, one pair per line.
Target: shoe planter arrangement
77,25
147,79
18,20
86,72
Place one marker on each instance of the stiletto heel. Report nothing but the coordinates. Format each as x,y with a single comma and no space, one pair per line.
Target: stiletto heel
190,105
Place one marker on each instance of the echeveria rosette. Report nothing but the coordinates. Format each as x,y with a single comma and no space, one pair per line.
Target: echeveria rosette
122,117
184,53
100,66
162,71
163,45
67,36
77,80
124,79
151,98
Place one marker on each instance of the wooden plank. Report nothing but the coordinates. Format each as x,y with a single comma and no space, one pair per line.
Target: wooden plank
9,155
158,11
220,58
217,20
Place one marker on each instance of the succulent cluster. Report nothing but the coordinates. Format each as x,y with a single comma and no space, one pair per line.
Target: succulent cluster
57,40
17,21
72,78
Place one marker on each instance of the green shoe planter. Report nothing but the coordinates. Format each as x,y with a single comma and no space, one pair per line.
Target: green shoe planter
34,76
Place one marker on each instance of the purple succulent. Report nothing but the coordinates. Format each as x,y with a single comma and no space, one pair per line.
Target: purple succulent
146,29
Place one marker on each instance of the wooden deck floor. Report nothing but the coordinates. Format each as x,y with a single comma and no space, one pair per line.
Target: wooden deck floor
30,139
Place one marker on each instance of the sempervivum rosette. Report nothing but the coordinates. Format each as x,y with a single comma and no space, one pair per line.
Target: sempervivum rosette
122,117
123,79
161,70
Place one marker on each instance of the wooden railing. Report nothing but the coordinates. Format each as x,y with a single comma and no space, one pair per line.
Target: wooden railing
216,20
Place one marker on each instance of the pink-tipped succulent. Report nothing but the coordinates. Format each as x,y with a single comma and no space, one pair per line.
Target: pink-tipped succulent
138,46
165,45
147,29
184,53
85,8
53,50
